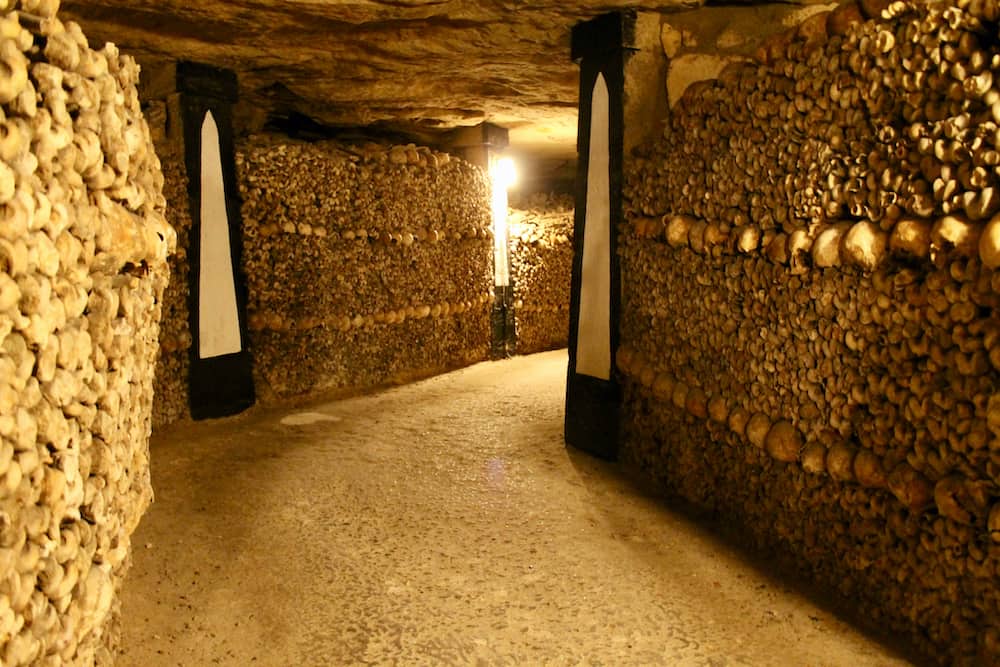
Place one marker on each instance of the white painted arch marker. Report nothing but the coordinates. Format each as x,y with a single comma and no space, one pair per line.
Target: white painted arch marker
218,316
593,343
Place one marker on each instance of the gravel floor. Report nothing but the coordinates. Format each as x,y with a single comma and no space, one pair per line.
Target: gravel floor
442,522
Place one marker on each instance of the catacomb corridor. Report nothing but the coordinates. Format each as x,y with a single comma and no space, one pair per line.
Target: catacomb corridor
442,523
646,332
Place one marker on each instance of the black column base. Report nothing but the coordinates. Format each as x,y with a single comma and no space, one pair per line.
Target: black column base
592,415
502,323
221,386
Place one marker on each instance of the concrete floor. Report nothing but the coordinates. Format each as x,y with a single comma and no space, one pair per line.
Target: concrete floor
441,523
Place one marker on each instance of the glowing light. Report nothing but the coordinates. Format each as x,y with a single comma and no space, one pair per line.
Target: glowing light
505,173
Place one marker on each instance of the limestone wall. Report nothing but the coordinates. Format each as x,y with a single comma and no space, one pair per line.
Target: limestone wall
365,264
700,43
83,246
541,257
810,337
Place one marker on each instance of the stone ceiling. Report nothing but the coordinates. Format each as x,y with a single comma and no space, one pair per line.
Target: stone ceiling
414,65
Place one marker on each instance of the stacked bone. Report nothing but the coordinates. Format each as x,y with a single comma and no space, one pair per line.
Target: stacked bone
541,261
83,247
364,264
171,381
810,332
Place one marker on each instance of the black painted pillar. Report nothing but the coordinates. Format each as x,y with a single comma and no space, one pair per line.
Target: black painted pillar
221,379
593,397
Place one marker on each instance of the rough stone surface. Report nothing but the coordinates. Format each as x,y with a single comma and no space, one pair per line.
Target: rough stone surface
644,105
415,64
701,43
442,523
691,67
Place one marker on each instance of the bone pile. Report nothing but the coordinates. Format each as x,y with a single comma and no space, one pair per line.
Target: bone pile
83,248
171,382
810,337
541,261
365,264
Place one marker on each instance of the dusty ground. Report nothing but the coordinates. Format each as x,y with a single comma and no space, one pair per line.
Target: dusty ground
441,523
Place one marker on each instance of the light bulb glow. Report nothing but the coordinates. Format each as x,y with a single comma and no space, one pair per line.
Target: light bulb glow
505,173
502,174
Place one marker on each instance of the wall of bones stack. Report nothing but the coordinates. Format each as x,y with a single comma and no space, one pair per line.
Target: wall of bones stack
541,260
811,345
83,247
170,384
365,264
374,262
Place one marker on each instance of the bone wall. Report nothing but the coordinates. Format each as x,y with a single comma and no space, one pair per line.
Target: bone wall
83,246
810,340
171,381
541,258
365,264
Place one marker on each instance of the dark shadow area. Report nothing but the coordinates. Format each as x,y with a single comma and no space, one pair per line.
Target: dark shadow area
780,570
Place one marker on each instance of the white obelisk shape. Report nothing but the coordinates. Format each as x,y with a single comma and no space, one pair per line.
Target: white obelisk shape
218,317
593,343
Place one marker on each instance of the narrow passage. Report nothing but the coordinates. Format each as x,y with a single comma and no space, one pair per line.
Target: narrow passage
441,523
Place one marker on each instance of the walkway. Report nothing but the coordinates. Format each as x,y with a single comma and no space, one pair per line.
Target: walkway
441,523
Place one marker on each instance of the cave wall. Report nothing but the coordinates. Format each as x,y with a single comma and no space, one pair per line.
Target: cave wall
541,259
810,341
83,247
365,264
699,44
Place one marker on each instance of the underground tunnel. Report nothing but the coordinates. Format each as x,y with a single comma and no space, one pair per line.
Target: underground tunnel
492,333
